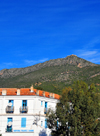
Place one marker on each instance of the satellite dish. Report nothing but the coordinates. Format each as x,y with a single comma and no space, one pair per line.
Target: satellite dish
9,123
10,104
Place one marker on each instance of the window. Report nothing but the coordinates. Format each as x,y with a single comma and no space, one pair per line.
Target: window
24,103
41,123
10,106
41,103
45,123
9,120
23,122
24,108
9,125
45,105
12,102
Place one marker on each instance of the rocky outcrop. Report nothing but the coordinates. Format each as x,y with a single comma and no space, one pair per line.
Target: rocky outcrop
72,60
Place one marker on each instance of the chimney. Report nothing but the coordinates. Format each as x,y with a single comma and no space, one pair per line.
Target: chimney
44,94
18,91
4,91
37,92
51,95
32,88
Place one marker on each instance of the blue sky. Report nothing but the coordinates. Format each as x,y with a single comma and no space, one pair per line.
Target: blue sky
34,31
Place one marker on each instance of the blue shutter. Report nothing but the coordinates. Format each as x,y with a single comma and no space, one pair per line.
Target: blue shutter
24,103
12,101
45,104
23,122
9,120
45,107
9,128
45,123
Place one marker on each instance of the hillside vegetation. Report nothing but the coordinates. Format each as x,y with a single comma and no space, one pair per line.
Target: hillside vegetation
52,75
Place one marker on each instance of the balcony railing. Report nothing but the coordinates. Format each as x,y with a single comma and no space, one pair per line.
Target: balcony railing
9,129
45,110
9,109
23,109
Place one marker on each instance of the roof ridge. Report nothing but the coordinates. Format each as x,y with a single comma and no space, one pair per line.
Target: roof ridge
13,91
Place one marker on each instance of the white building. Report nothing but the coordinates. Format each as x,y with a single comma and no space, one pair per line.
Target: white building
23,111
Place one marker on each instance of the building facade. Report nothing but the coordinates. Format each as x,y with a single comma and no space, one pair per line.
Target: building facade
23,111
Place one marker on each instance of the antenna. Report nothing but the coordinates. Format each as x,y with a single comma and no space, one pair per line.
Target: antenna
32,89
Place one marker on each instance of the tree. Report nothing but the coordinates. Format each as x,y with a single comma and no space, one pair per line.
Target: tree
77,112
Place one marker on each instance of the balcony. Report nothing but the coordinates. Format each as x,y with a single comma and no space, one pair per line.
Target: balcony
24,109
9,129
10,109
45,110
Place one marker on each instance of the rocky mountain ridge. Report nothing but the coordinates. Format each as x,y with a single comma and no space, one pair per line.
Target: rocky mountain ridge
72,60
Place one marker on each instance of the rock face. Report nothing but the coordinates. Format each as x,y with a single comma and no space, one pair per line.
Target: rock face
72,60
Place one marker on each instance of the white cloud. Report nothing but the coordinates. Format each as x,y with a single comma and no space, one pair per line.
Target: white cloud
9,64
45,59
90,51
85,53
95,60
90,55
31,62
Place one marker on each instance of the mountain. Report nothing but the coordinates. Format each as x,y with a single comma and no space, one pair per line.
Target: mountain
72,59
52,75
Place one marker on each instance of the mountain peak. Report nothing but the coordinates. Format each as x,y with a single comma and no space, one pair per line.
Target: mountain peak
72,55
69,60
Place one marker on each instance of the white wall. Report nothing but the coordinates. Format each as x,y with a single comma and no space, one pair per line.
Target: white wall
34,110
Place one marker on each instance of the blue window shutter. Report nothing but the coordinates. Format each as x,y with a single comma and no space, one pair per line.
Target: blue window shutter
9,120
11,101
23,122
24,103
45,123
46,107
45,104
9,128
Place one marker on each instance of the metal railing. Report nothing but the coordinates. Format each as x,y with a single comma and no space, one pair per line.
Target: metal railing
10,109
9,129
23,109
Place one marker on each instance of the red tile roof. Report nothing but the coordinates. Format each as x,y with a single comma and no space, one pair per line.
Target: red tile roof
27,91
